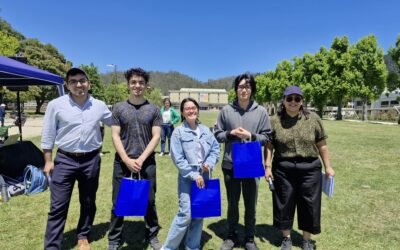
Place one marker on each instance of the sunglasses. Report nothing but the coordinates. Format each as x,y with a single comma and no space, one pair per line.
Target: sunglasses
291,98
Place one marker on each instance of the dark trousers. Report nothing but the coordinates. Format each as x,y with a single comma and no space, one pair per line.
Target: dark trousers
84,169
249,187
147,172
166,132
298,184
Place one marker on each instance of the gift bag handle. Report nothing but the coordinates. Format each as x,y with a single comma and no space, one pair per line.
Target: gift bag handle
132,175
198,168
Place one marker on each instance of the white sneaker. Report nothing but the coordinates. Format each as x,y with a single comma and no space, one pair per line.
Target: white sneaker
161,154
169,154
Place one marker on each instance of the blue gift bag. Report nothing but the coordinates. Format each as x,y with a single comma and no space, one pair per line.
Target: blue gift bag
206,202
247,160
133,197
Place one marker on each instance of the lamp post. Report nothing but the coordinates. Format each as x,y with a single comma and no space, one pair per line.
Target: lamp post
114,81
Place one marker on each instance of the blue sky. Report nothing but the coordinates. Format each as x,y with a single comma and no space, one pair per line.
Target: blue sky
206,39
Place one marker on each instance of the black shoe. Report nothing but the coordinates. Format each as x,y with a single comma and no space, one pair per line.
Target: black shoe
286,243
155,243
307,245
250,245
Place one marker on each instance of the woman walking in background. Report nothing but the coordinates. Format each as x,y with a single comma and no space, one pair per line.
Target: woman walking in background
298,139
194,151
170,117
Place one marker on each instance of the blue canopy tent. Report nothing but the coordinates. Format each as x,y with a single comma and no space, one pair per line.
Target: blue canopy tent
17,74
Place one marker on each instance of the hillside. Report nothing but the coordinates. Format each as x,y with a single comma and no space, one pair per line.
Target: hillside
173,81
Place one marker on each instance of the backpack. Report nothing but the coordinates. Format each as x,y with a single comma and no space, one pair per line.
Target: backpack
35,180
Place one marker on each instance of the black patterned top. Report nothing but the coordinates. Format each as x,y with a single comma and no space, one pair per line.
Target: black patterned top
297,136
136,122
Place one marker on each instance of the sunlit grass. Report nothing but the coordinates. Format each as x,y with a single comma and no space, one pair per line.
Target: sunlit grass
363,214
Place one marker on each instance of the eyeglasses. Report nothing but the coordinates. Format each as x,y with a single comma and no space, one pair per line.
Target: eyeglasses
242,87
74,82
141,83
190,108
291,98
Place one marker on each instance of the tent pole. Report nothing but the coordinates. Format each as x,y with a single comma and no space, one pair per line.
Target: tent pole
19,117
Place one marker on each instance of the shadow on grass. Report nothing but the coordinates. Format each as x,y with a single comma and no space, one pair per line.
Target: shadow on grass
264,232
133,235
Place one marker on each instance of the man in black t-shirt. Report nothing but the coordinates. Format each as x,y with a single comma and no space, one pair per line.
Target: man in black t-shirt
135,130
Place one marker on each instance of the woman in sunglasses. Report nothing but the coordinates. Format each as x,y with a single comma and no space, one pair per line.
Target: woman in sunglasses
298,140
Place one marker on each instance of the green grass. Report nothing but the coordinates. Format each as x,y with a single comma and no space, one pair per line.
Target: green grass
363,214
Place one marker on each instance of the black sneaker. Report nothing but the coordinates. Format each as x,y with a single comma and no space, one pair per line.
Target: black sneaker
228,244
155,243
286,243
250,245
307,245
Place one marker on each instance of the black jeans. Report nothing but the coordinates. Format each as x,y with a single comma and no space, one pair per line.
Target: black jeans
249,187
147,172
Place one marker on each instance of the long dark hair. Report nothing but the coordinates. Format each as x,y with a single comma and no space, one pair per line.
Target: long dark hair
282,110
183,104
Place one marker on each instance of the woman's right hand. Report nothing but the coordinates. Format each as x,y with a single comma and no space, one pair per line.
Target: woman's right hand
200,182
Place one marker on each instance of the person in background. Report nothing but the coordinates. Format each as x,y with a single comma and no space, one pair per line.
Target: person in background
170,117
298,140
241,120
195,151
135,132
72,122
2,113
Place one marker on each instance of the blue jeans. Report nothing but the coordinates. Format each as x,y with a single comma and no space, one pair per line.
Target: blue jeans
166,132
183,223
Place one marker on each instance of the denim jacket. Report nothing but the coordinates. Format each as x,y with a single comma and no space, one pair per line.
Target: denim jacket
184,149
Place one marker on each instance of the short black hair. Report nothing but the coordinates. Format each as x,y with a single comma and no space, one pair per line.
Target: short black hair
74,72
249,78
137,72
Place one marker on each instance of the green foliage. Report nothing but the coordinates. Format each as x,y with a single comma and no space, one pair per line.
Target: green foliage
6,28
395,52
154,96
97,89
339,61
8,44
46,57
369,69
231,95
116,93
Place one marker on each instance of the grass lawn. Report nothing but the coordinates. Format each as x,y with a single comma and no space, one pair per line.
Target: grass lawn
363,214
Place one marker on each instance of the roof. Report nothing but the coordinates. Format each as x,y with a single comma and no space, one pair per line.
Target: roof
200,90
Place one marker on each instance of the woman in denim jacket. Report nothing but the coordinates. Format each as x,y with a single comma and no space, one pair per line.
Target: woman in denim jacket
194,151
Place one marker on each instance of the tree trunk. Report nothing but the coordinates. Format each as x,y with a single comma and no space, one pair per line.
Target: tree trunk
339,116
320,111
365,110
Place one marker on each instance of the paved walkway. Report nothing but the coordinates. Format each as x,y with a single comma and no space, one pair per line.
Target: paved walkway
31,128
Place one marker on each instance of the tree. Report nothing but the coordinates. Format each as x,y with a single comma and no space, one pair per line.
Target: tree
6,28
8,44
311,74
97,89
339,72
154,96
394,77
368,65
46,57
115,93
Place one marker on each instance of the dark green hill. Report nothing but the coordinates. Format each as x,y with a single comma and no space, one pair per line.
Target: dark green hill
173,80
